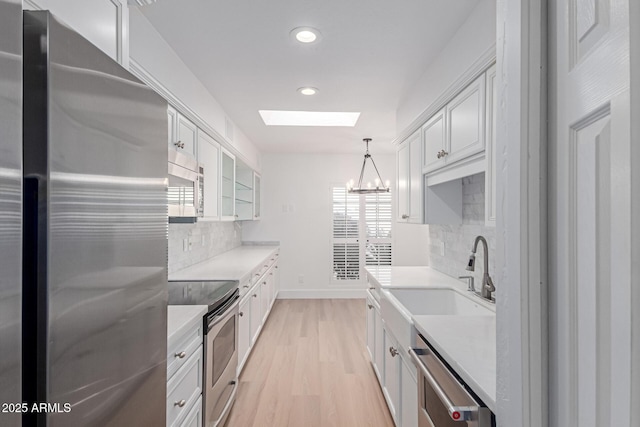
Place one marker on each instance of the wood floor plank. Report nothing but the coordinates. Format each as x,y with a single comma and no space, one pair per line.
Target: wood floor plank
310,367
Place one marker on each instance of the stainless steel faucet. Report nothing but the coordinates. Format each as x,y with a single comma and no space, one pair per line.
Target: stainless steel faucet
487,283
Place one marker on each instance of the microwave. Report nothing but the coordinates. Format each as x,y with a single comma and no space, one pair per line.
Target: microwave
186,188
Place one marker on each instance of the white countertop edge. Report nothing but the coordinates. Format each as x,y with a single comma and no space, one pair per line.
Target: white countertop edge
468,377
181,318
230,265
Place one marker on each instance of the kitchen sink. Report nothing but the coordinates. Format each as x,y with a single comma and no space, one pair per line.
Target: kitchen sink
398,305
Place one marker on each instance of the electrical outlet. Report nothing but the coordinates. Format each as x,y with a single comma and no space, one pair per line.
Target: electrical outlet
301,279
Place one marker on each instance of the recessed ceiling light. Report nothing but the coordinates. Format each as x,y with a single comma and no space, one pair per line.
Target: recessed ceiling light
305,34
308,90
308,118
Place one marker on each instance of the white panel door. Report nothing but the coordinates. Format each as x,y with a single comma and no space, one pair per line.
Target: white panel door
244,331
590,214
209,156
402,158
392,375
186,135
415,178
433,142
465,121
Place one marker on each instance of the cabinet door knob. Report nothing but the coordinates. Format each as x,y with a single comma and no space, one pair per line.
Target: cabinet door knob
179,144
439,154
370,306
255,295
180,355
444,153
246,286
241,314
394,352
180,403
264,283
405,216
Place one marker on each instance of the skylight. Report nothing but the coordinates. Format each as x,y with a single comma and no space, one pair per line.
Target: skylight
308,118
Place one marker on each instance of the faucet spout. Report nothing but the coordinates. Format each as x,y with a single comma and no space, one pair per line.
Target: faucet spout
487,283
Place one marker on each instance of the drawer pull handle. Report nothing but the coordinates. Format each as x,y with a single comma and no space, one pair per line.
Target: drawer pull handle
180,403
246,286
394,352
181,355
405,216
179,144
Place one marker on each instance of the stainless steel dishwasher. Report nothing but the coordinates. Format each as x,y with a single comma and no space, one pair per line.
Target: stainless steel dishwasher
444,400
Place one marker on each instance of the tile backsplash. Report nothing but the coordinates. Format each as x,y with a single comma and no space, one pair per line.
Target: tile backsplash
206,240
458,239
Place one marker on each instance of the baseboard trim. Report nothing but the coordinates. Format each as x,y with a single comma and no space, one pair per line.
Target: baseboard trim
321,294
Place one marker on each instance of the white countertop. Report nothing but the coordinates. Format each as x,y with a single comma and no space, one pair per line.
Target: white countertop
182,317
236,264
467,343
409,277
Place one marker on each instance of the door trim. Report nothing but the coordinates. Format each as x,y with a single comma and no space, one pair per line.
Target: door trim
521,214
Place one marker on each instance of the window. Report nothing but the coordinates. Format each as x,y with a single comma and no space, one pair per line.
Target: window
361,232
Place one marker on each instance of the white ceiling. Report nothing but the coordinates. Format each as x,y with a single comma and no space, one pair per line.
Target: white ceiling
370,55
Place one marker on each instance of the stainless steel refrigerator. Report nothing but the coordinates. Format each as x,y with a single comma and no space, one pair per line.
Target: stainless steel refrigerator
10,207
83,283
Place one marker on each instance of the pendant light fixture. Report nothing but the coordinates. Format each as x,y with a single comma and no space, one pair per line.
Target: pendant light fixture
379,187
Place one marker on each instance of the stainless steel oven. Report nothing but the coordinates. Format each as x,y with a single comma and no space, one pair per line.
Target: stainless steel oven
220,342
443,399
221,361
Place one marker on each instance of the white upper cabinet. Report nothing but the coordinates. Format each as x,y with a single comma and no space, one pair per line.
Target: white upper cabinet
186,137
433,142
465,116
257,181
209,158
410,180
182,133
490,153
227,186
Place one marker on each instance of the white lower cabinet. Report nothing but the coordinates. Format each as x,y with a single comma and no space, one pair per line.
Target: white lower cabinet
378,353
392,375
194,418
255,306
393,367
409,394
244,331
184,389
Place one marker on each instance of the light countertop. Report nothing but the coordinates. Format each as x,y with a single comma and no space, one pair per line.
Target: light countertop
236,264
467,343
412,277
181,318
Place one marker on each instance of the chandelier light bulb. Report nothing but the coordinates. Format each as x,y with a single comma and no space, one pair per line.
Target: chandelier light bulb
368,184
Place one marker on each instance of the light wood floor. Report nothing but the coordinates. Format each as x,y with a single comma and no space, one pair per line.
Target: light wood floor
310,367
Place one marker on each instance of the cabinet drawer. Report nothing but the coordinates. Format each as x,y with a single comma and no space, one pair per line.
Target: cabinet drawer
188,344
184,389
194,418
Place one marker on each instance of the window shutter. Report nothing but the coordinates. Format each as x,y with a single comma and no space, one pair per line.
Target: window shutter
346,225
378,228
361,232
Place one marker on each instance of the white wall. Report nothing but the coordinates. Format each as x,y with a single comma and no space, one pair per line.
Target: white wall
297,211
475,37
148,49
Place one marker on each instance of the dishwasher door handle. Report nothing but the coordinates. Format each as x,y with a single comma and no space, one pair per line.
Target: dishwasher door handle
457,413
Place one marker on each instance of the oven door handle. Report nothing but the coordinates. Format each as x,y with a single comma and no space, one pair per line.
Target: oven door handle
457,413
223,313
